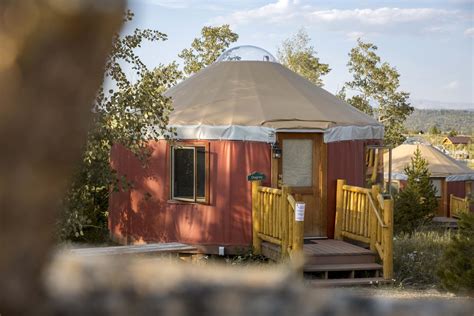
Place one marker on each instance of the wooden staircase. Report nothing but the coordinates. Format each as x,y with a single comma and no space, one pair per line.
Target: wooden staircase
330,262
337,263
363,216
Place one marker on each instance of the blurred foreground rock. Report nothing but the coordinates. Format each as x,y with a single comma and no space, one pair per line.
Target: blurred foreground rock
52,55
111,286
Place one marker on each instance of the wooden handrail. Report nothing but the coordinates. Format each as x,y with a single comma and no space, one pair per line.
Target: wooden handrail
292,201
273,216
376,212
366,216
458,205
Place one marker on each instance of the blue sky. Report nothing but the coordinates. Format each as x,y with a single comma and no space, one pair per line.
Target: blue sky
431,43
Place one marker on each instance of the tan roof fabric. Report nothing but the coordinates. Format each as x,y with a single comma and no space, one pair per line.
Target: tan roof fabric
253,93
440,164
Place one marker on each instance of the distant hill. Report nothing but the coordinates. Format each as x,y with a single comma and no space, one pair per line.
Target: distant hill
439,105
460,120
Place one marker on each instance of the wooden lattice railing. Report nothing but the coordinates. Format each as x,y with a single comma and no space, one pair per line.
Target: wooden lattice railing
273,217
458,205
366,216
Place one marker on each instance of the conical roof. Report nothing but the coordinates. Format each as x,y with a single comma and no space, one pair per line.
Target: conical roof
256,93
440,164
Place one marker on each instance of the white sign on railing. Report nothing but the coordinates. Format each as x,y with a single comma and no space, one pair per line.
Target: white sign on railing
299,211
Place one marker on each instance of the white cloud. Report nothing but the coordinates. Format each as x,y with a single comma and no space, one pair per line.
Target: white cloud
273,12
370,20
452,85
469,32
353,36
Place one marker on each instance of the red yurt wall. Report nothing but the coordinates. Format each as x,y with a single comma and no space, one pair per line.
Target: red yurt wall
345,160
146,214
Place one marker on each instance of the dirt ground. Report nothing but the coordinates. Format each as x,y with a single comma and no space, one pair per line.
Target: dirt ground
390,292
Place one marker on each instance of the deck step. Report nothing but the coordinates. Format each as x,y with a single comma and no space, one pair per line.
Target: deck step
346,282
342,267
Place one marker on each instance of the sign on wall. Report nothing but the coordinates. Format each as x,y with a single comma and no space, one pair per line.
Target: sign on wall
299,211
256,176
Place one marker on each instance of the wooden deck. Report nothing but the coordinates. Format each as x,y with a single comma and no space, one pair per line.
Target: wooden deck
331,247
447,222
146,249
330,262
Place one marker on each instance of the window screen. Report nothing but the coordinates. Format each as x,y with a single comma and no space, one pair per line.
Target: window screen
297,164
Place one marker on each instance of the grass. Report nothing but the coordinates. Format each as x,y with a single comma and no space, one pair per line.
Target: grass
416,257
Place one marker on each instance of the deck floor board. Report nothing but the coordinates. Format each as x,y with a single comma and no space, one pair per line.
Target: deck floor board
331,247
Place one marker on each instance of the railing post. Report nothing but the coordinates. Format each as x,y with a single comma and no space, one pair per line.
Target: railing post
373,219
297,254
388,239
256,241
339,209
298,232
284,211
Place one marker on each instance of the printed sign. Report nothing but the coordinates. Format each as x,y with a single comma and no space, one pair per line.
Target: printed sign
255,176
299,212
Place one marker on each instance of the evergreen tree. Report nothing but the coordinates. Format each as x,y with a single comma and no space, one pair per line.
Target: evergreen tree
456,269
434,130
415,204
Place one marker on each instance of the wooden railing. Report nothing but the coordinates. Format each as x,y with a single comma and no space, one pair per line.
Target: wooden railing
366,216
273,217
458,205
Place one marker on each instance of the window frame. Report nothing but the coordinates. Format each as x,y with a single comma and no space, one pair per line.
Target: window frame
190,145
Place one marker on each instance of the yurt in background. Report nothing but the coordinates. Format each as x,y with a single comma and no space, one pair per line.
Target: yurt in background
245,113
449,176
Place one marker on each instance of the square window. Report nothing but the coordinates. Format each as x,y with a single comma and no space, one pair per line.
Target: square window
189,170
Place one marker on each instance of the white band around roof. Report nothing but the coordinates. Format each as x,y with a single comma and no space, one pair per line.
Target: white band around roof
267,134
460,177
341,133
451,178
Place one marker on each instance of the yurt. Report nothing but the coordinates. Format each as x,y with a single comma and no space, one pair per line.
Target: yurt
449,176
243,114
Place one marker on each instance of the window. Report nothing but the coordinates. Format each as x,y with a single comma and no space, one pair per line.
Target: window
438,186
297,163
189,173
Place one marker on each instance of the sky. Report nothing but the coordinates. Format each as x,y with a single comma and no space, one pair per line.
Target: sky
431,43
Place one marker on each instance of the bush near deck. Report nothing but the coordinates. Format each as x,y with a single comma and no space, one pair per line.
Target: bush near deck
417,256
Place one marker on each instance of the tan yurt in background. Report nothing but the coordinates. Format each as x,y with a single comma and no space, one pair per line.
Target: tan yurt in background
449,176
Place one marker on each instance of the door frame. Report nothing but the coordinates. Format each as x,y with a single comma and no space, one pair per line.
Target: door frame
319,188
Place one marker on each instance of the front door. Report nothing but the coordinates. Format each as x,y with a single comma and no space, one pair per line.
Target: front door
302,167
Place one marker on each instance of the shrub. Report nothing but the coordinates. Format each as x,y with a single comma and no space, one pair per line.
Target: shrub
416,257
456,269
415,204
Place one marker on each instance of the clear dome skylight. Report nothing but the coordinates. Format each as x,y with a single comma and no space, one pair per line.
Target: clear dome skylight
246,52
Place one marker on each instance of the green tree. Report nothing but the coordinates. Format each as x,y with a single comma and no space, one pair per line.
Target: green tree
456,269
434,130
297,54
415,204
453,133
206,49
375,85
129,113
